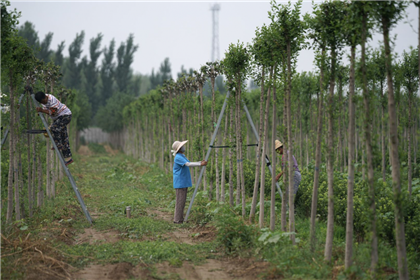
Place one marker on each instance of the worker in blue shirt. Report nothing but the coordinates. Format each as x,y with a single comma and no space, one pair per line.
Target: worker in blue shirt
182,178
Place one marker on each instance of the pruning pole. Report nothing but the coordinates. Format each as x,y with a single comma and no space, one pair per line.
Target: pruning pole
207,155
267,160
72,182
6,133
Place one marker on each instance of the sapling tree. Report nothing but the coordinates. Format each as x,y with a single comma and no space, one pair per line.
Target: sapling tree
258,52
333,13
289,31
409,65
317,34
387,14
16,59
353,29
364,12
236,68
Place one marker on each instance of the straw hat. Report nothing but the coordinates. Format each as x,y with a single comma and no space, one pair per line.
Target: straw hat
176,146
278,144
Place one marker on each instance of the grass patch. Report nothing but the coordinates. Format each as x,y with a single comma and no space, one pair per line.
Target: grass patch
148,252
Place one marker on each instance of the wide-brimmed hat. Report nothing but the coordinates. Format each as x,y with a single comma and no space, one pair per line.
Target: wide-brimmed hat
278,144
176,146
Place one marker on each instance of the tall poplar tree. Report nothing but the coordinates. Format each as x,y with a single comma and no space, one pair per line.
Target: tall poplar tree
387,14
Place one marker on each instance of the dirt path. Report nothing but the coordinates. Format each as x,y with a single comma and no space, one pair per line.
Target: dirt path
212,269
92,236
221,269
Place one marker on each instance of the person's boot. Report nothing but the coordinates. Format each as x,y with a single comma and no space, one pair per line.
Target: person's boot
68,160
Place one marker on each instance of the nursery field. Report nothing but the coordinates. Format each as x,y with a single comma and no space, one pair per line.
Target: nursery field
216,243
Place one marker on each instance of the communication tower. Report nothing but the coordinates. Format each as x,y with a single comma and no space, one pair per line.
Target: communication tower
215,40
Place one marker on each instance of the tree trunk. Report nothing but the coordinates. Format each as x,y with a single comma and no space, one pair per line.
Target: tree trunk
240,142
40,199
230,159
264,153
273,162
258,158
34,169
363,162
368,143
393,141
409,171
169,131
317,158
16,164
28,138
223,181
48,172
340,138
52,170
289,150
216,156
238,154
20,176
348,260
330,170
383,143
284,166
162,144
11,155
203,125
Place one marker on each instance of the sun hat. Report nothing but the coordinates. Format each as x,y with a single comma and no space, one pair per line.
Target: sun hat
176,146
278,144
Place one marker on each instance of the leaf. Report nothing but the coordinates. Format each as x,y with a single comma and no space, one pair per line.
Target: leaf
274,239
24,228
264,236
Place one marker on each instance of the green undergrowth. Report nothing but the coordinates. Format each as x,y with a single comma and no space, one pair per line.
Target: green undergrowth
108,184
148,252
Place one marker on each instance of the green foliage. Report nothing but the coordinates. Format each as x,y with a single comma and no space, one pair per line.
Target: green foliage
96,148
233,233
82,110
384,205
27,31
139,252
201,213
110,117
107,72
125,57
72,76
410,71
91,74
16,56
236,64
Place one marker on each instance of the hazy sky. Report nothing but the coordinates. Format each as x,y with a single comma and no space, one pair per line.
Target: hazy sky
181,31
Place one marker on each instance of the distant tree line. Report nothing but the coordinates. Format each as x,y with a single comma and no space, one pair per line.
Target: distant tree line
104,79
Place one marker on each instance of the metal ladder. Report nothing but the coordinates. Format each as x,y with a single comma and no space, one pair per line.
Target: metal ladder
63,164
60,156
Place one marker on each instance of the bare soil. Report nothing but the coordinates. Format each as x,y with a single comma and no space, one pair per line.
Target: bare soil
160,215
92,236
84,151
225,269
109,150
192,235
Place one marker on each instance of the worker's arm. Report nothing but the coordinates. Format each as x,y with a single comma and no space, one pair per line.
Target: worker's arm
196,164
279,175
41,110
50,112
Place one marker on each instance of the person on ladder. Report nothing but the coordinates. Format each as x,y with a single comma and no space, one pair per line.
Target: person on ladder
61,116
